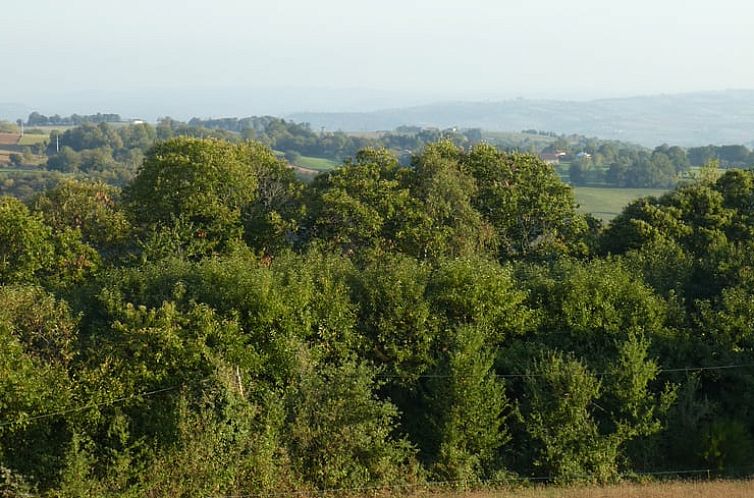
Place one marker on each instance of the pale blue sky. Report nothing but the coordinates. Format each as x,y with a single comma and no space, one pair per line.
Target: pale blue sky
398,50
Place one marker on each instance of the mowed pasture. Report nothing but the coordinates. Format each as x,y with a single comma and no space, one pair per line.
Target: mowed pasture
19,171
605,203
318,163
32,139
517,137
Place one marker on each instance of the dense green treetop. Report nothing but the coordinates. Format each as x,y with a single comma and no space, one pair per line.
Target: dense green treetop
25,242
91,208
522,197
366,203
207,183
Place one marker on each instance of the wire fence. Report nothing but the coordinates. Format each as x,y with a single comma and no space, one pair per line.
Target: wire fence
145,394
101,404
428,486
597,374
381,490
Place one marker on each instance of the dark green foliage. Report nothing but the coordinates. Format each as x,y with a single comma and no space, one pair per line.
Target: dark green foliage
478,291
531,210
364,204
37,119
37,346
271,220
91,208
205,183
565,440
394,316
41,323
31,251
341,435
466,410
592,307
609,320
450,224
577,172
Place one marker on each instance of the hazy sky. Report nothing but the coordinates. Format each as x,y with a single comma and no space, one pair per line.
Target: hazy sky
407,49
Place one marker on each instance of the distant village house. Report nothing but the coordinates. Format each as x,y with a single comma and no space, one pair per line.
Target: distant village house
552,157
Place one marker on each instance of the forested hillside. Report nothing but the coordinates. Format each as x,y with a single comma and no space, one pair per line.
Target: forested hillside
219,328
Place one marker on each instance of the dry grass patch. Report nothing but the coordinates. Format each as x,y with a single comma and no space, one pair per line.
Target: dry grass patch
9,138
674,489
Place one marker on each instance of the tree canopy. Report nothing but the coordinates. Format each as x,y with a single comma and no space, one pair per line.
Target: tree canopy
219,327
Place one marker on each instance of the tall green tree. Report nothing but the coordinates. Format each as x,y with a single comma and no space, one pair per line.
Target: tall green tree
271,220
565,440
466,409
37,347
25,242
364,204
521,196
450,225
205,183
91,208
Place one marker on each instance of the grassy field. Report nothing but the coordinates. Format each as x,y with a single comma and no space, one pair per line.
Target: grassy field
316,163
373,135
36,160
32,139
21,171
675,489
607,202
517,137
49,129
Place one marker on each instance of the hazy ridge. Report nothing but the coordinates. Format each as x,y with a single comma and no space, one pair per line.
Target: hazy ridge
721,117
724,117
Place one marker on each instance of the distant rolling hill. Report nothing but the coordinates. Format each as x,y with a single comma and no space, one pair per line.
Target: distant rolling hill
725,117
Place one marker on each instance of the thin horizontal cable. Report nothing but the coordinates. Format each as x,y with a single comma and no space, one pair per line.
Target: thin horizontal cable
97,405
598,374
386,376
